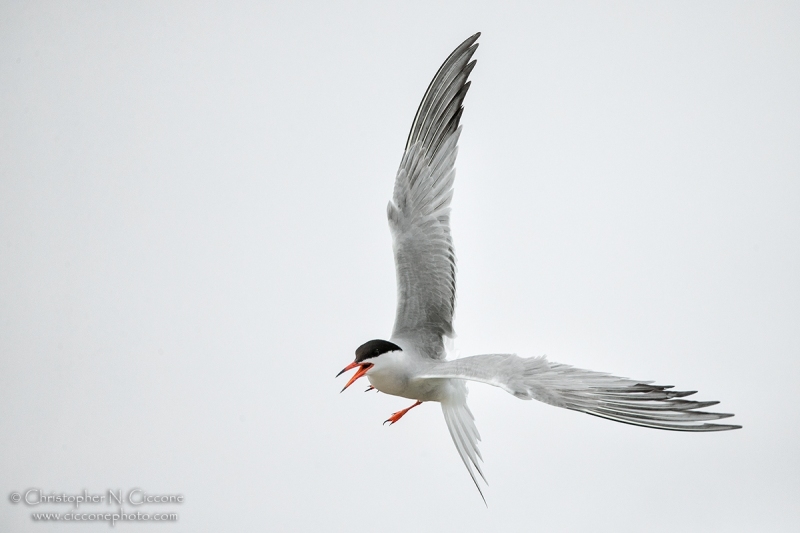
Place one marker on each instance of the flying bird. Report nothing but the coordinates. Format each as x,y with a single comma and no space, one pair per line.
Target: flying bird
412,363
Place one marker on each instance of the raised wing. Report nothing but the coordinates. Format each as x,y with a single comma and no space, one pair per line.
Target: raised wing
419,213
620,399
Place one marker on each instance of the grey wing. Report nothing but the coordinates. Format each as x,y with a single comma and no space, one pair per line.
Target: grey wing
419,213
620,399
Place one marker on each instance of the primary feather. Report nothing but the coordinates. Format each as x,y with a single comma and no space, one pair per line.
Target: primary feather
621,399
419,213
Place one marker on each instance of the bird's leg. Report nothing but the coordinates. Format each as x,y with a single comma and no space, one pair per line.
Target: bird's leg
370,388
399,414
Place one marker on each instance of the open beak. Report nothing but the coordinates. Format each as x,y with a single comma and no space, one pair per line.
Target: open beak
362,369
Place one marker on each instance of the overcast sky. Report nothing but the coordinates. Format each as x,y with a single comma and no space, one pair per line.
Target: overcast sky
193,242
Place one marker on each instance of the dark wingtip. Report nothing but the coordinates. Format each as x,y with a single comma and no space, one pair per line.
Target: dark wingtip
419,130
722,427
471,39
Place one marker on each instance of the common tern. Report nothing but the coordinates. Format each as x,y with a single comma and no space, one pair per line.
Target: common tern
412,363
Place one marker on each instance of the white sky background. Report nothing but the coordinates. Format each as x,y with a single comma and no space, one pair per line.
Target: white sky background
193,242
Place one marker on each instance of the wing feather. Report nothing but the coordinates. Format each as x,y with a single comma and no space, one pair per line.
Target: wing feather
419,213
620,399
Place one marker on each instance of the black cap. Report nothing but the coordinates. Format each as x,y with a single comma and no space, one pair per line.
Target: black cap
374,348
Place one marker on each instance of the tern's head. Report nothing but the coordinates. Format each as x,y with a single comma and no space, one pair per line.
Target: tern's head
366,356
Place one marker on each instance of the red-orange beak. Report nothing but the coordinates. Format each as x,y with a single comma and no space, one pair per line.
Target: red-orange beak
362,369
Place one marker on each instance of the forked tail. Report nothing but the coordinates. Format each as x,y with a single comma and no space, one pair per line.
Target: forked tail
461,425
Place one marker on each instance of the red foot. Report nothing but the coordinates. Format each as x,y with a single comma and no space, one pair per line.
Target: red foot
399,414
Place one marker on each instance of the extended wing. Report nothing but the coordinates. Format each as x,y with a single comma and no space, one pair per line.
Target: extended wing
621,399
419,213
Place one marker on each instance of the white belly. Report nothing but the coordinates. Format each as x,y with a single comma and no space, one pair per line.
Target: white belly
395,374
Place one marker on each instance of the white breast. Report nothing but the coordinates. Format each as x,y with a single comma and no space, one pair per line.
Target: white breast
395,373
